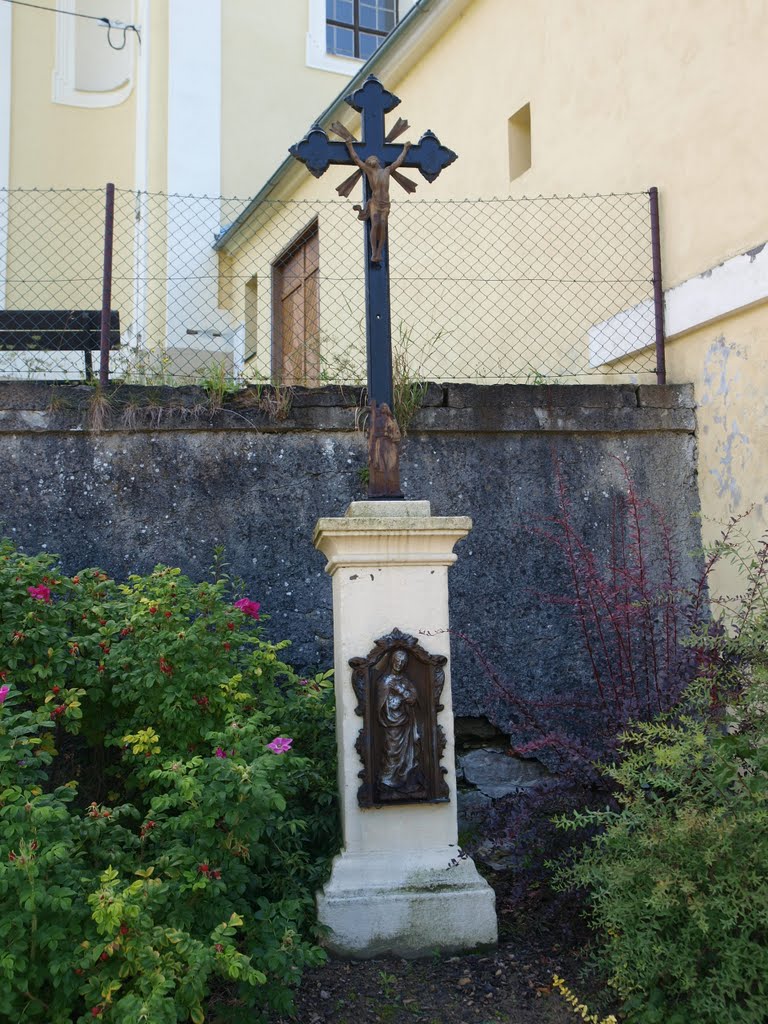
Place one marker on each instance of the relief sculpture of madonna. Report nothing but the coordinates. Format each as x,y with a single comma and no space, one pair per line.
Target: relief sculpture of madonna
396,708
398,688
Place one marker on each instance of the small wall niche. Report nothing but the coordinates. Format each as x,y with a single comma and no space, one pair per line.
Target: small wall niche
519,137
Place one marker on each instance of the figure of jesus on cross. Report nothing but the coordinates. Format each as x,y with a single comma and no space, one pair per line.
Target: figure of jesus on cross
376,209
378,160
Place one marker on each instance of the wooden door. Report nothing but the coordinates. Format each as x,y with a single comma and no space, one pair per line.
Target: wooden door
296,312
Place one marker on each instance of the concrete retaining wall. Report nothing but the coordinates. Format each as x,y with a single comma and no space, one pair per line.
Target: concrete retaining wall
167,477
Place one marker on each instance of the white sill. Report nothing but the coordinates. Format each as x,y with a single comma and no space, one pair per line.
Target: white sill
318,57
735,284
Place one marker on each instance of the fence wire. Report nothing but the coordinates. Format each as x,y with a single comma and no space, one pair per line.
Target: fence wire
556,288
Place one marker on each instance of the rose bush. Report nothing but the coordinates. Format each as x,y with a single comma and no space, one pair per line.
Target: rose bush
167,800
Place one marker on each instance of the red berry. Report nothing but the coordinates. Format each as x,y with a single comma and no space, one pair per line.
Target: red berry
104,956
203,869
152,610
123,929
167,615
55,689
102,622
230,625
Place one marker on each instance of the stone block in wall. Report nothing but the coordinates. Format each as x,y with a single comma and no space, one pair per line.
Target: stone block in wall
496,774
556,396
667,396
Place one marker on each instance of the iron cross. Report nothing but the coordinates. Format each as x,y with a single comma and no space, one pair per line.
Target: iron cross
318,153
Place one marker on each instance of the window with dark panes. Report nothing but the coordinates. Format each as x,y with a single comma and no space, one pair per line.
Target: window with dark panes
356,28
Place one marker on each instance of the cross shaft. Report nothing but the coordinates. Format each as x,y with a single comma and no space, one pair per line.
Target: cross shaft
428,156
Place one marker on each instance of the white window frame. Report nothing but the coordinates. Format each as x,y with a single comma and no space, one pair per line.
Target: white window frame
317,55
64,71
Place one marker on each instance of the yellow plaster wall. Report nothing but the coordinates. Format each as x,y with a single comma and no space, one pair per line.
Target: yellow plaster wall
54,145
728,363
158,100
269,95
624,96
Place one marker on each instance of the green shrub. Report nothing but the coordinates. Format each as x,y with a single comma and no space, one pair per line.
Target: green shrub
167,800
677,878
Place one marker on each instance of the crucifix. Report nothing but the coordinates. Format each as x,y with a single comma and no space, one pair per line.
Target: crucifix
378,159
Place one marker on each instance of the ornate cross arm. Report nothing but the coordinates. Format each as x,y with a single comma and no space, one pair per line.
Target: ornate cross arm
318,153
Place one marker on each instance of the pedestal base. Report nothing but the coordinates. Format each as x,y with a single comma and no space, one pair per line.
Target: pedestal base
412,903
400,885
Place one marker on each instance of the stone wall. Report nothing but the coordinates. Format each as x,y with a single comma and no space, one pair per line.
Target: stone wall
169,475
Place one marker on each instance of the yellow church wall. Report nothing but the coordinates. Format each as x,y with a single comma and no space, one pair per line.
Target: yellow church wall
54,145
622,97
157,141
728,363
268,91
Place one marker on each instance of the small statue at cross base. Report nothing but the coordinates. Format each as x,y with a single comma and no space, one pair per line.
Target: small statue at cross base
376,210
383,453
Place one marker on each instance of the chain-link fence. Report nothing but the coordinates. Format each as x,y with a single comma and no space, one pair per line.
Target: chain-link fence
557,288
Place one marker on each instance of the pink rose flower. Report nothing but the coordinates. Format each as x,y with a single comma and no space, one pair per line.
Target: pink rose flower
4,691
41,593
248,607
280,745
220,752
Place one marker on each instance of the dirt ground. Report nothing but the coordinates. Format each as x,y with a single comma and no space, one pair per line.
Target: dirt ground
501,988
512,985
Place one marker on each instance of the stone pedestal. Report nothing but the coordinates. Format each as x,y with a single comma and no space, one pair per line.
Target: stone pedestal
400,884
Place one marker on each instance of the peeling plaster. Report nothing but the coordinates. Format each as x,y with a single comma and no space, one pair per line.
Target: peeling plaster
721,377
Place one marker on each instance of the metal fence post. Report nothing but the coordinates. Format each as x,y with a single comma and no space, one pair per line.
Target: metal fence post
106,291
658,288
